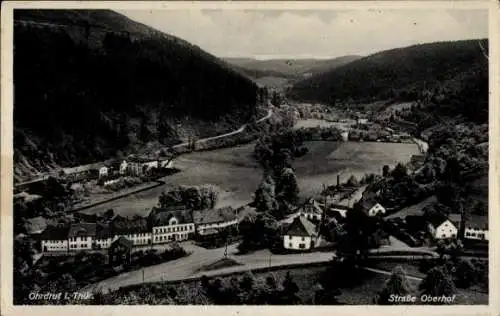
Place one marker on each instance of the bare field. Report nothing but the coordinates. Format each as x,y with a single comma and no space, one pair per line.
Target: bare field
236,172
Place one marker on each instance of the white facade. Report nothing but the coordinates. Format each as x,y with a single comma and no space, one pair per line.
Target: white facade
476,234
103,171
201,228
172,232
138,168
123,167
362,121
376,209
299,242
137,239
109,182
310,216
54,245
444,230
80,243
103,243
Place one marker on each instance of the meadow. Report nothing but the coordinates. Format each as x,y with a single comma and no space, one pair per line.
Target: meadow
238,175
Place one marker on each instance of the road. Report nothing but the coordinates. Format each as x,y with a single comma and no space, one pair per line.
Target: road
239,130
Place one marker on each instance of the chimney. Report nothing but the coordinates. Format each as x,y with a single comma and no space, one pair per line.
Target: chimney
338,181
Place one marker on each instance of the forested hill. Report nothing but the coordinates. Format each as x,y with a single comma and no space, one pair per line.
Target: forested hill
451,76
91,83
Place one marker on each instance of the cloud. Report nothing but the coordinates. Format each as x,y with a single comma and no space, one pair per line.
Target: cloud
313,33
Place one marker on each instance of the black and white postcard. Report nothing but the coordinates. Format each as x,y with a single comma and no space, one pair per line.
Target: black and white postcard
249,153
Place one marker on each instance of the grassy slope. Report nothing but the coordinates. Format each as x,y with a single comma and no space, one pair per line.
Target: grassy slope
122,86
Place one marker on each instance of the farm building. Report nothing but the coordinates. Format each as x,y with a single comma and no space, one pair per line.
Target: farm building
301,234
139,166
372,208
119,251
311,210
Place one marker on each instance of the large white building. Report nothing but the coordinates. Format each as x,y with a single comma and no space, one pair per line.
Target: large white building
139,166
81,236
54,238
300,235
171,225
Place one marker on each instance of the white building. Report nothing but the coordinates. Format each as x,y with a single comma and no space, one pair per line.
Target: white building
476,227
211,221
81,236
103,171
338,211
103,237
172,225
300,235
442,227
140,166
167,164
54,239
123,167
372,208
311,210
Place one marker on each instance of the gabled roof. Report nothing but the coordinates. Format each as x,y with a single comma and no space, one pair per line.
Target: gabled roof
55,233
163,216
301,227
439,219
125,226
224,214
82,229
477,222
122,241
312,206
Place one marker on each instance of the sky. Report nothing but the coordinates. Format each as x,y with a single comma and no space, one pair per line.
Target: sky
267,34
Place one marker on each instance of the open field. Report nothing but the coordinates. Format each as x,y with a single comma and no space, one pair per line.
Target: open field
238,175
327,159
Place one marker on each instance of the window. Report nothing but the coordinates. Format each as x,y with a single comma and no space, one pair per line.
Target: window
290,245
303,238
302,246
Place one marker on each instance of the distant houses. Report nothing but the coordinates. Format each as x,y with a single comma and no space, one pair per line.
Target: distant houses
372,208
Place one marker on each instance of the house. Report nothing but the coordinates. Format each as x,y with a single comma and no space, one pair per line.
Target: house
212,221
139,166
54,238
301,234
372,208
135,229
119,251
443,227
311,210
122,169
171,225
476,227
345,135
81,236
166,163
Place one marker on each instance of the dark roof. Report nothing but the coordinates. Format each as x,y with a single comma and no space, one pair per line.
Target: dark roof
162,217
55,233
438,219
301,227
224,214
103,231
311,206
122,241
125,226
477,222
82,229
